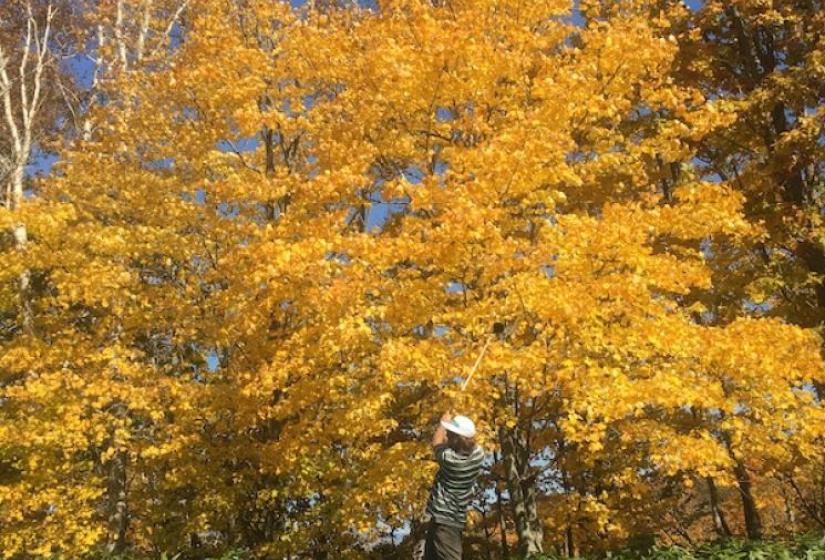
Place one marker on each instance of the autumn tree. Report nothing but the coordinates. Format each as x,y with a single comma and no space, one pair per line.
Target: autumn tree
282,236
70,373
767,59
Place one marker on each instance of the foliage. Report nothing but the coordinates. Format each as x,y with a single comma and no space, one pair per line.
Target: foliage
803,548
281,236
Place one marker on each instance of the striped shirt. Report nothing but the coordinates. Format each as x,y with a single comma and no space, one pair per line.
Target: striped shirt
453,485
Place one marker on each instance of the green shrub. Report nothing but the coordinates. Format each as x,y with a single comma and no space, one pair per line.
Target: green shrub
810,547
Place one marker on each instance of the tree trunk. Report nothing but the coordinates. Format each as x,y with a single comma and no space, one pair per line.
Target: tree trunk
522,494
720,524
534,533
118,504
570,550
418,531
753,522
20,115
487,552
505,551
21,238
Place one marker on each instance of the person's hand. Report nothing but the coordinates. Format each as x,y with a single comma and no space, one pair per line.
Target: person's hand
447,416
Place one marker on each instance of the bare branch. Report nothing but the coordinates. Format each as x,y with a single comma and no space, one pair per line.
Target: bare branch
24,62
144,29
5,82
121,42
178,13
42,51
237,152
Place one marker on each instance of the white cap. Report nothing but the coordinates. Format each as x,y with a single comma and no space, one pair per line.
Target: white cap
460,425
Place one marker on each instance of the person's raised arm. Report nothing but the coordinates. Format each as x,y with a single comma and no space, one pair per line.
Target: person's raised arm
440,435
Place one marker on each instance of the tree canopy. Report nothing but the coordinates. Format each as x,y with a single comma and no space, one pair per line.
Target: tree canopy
277,238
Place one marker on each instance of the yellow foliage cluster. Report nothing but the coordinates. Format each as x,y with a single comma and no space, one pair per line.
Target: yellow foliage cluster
280,252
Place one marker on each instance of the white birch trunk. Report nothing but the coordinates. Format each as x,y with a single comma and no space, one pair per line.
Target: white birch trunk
19,119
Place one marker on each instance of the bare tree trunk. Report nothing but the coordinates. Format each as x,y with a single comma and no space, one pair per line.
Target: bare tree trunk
753,521
418,531
118,503
720,524
534,533
487,548
19,122
570,550
522,493
790,512
505,552
21,239
268,136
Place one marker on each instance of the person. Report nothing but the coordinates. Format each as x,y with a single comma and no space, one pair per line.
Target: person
459,462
